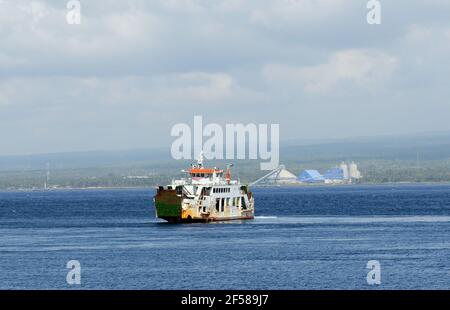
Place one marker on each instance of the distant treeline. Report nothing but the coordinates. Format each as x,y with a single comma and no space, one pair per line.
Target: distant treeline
373,171
401,158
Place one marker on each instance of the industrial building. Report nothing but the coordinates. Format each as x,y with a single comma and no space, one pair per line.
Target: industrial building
334,175
311,176
279,176
345,173
283,177
353,171
344,168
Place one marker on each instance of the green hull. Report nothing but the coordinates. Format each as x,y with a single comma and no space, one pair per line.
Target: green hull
168,205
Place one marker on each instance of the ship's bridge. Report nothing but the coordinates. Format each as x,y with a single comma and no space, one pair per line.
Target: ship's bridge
208,176
204,172
205,175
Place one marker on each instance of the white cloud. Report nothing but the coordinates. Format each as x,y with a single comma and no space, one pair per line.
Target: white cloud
136,66
39,11
200,86
280,13
36,32
193,88
362,68
420,36
417,33
80,93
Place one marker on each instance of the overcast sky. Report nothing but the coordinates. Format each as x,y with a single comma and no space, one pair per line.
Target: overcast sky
134,68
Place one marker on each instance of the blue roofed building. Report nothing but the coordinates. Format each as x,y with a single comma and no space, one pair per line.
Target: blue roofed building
334,174
311,176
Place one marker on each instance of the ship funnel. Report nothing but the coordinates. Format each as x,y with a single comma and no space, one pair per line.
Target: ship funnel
228,174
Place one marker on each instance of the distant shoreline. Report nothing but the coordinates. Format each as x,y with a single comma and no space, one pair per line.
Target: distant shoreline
58,189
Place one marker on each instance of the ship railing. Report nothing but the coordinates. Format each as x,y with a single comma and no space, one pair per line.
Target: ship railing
186,192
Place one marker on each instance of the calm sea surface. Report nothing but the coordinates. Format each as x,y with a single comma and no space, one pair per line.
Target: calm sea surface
302,238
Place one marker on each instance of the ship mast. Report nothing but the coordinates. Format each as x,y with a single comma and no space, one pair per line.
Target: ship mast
200,160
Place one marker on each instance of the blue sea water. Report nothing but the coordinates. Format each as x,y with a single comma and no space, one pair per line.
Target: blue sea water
302,238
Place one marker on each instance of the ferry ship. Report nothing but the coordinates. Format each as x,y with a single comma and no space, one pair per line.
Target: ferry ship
204,195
